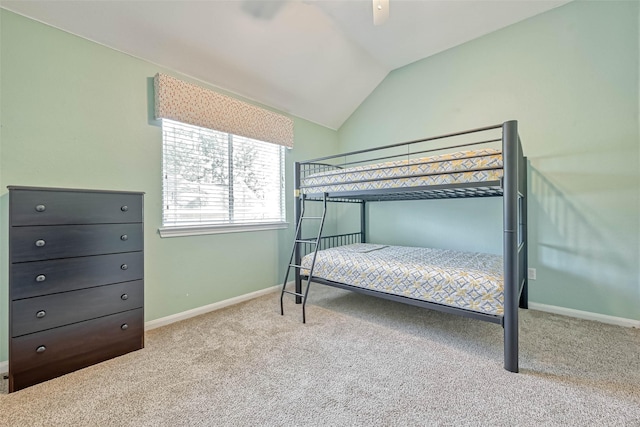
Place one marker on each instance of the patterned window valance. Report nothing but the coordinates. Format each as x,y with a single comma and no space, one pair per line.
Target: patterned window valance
187,103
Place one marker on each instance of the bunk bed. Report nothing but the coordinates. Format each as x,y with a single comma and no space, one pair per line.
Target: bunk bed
482,162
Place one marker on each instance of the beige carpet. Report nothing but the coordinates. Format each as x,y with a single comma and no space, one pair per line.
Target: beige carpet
358,361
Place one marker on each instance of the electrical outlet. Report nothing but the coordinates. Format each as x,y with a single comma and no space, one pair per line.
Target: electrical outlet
532,274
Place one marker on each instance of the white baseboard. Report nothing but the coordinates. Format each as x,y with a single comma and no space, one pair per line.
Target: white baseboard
163,321
587,315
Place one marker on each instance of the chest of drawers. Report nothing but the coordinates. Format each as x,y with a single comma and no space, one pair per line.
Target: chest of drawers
76,271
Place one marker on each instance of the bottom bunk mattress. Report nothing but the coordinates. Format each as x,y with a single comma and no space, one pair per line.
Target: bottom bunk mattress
472,281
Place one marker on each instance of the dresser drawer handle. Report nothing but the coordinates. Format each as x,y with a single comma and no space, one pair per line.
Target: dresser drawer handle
41,278
124,326
124,297
41,349
41,208
124,267
124,237
124,208
40,243
41,314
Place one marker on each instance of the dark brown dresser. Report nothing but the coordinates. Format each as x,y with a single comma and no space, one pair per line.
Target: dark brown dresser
76,290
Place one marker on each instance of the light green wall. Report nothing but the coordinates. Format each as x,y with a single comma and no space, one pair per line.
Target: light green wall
570,76
77,114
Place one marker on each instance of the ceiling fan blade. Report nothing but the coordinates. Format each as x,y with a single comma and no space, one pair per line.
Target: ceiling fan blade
380,11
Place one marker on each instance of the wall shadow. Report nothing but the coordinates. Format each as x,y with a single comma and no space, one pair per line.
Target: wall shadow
582,261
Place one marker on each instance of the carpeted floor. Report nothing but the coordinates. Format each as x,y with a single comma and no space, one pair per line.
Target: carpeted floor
358,361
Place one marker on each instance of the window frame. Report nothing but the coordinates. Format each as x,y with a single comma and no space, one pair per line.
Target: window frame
220,228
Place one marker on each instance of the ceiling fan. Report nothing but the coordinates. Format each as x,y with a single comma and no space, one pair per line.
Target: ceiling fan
380,11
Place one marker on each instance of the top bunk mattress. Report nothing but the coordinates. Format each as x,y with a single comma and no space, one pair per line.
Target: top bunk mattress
472,166
467,280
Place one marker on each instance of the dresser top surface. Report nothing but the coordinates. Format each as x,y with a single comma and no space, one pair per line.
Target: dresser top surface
79,190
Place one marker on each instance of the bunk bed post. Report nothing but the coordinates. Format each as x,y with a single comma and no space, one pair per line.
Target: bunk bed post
510,244
363,234
524,294
297,209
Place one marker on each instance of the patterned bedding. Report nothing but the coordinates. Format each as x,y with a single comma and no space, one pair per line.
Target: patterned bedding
473,281
475,166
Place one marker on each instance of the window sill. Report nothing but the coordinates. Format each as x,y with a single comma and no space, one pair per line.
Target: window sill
198,230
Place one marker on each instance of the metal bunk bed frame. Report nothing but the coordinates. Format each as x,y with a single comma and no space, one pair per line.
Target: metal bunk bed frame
512,188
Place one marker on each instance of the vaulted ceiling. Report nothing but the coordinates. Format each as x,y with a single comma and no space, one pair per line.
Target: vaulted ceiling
314,59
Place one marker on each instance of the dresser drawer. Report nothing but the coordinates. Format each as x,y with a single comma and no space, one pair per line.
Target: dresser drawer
65,241
44,355
41,313
41,207
38,278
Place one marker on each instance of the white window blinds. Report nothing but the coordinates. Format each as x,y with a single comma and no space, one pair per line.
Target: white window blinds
216,178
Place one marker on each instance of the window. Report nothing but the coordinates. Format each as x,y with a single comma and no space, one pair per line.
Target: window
219,182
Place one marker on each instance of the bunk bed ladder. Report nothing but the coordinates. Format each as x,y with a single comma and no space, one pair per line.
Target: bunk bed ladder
315,242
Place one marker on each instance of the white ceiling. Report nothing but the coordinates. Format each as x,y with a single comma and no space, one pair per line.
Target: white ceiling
314,59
